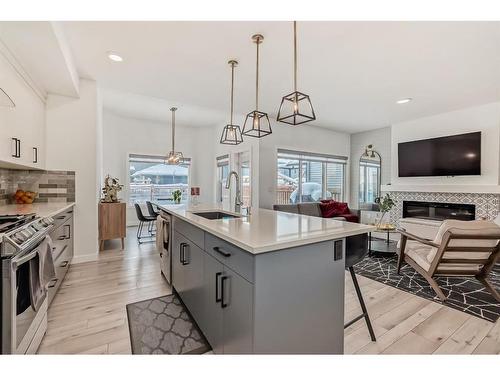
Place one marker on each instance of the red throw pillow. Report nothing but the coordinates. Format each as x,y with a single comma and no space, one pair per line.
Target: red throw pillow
328,209
331,208
343,208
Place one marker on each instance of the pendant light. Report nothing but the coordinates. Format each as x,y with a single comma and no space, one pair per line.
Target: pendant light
231,134
174,157
295,108
257,123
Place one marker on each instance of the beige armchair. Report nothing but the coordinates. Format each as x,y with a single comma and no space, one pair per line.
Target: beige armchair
460,248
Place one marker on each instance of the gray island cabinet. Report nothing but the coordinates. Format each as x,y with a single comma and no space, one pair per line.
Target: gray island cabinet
286,300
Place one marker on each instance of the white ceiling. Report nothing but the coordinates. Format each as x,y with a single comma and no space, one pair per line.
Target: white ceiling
353,71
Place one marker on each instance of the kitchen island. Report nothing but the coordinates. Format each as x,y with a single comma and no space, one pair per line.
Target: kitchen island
270,282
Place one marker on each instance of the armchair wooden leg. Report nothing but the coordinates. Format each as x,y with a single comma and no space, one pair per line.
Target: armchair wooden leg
401,254
484,280
436,287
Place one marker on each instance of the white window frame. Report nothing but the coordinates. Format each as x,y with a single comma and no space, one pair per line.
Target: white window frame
325,159
152,157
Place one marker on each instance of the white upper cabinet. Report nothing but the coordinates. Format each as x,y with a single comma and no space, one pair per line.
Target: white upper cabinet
22,128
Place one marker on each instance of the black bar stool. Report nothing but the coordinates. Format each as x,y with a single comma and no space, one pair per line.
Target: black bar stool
356,250
143,219
151,209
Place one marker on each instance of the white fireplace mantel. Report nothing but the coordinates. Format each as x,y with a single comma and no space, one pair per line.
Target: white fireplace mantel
482,189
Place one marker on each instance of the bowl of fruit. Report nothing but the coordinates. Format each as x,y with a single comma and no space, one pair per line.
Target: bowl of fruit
24,197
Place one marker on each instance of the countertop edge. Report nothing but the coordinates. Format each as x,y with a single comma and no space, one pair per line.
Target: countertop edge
276,247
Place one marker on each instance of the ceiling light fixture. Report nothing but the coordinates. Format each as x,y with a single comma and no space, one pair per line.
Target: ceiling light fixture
174,157
115,57
296,108
404,101
231,134
257,121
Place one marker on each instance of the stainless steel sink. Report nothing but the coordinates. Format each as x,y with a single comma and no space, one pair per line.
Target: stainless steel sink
215,215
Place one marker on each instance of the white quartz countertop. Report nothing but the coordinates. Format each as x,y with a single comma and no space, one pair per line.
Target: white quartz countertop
41,209
267,230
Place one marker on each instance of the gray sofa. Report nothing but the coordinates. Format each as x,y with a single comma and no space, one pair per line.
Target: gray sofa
309,208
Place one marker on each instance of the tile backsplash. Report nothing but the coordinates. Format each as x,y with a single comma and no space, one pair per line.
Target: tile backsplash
50,186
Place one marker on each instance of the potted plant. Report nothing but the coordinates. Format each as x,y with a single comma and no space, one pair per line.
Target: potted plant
385,205
176,195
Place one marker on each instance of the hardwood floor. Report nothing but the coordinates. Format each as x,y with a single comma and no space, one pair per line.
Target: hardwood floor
88,314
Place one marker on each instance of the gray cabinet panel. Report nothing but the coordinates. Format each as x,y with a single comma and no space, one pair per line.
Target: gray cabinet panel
177,267
238,314
193,280
212,323
195,234
299,301
237,259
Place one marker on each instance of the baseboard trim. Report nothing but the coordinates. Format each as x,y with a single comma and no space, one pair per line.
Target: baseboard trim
84,258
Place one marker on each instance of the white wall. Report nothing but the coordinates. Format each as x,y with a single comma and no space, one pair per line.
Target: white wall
381,141
125,135
301,138
484,118
72,140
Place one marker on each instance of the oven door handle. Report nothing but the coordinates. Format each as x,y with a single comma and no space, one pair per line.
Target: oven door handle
17,262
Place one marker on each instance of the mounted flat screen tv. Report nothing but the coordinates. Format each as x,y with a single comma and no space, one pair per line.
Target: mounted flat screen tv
457,155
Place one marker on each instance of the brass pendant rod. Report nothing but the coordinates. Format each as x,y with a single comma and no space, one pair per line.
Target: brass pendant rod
232,90
257,78
294,55
173,109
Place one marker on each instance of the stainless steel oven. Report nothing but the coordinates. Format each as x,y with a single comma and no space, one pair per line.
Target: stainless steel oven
20,321
22,328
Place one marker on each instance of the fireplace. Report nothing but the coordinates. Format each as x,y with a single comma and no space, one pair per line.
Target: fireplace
439,211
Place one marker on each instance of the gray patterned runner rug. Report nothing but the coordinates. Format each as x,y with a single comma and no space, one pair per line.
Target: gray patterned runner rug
162,326
464,293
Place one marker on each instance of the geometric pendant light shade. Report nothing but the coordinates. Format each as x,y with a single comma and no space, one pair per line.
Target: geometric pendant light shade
174,157
257,123
231,134
296,108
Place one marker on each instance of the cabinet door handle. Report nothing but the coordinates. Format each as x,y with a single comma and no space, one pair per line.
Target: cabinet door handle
52,283
186,258
35,154
181,253
18,148
222,252
64,264
68,236
14,148
217,298
183,259
222,303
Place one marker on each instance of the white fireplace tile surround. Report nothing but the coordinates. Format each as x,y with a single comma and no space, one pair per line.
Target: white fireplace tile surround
487,204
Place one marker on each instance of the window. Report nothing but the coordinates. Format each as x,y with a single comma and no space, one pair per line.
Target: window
308,177
369,172
150,179
243,169
222,173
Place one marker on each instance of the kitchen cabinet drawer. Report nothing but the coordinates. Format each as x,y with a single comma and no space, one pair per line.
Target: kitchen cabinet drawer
188,274
235,258
61,266
195,234
62,217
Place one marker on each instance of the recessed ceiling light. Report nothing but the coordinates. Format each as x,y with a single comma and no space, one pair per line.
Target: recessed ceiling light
404,101
115,57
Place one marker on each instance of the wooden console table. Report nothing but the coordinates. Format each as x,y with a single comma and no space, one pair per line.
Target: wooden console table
112,222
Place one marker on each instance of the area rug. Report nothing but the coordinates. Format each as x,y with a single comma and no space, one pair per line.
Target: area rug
464,294
162,325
